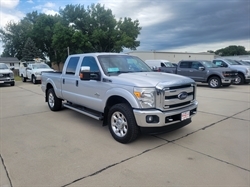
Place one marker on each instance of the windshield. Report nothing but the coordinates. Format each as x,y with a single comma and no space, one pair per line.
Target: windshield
209,64
40,66
3,66
245,63
168,64
113,64
232,62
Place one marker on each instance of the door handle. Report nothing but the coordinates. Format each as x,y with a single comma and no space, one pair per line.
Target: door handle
77,83
63,81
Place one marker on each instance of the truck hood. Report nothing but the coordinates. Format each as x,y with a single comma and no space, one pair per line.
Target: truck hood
239,66
5,71
222,69
42,70
151,79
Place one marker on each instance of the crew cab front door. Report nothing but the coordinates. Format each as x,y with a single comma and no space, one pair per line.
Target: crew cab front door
91,93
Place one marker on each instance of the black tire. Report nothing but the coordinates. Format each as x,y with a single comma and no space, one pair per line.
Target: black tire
12,84
239,80
226,85
23,78
33,79
214,82
122,124
54,103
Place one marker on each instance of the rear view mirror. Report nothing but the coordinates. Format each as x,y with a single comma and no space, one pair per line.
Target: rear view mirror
86,75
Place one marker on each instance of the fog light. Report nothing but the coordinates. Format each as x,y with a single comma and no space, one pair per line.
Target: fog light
152,119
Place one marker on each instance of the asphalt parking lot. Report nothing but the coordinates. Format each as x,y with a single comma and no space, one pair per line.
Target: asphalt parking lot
43,148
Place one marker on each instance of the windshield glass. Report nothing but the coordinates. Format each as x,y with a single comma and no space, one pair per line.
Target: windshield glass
245,63
232,62
209,64
40,66
3,66
168,64
113,64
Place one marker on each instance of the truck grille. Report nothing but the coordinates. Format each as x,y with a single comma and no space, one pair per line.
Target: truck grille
179,96
231,74
3,75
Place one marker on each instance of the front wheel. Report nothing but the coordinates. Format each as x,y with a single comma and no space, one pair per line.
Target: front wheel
239,79
23,78
33,79
122,124
214,82
54,102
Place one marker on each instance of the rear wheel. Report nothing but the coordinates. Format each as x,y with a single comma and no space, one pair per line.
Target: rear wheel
239,79
122,124
54,102
214,82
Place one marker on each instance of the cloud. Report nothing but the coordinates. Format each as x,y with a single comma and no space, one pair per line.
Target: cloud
30,1
168,25
47,8
8,4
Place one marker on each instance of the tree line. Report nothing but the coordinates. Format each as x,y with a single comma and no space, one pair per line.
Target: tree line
75,29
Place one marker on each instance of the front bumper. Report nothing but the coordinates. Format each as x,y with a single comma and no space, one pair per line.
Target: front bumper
7,80
247,78
227,80
164,118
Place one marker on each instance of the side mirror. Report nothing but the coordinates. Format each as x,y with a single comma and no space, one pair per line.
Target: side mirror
86,75
202,68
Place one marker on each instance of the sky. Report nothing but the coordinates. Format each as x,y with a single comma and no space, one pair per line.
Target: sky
167,25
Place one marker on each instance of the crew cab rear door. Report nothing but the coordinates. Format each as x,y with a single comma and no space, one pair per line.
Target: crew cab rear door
68,80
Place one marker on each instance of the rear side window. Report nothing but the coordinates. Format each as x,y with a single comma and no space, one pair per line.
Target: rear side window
185,64
71,67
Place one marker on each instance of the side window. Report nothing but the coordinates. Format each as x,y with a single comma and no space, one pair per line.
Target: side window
220,63
196,65
91,62
71,67
185,64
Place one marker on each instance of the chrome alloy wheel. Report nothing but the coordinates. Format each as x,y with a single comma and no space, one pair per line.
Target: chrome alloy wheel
51,100
214,83
237,80
119,124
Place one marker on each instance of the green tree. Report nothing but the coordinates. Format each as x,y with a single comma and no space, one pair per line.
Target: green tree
13,37
232,50
30,51
96,30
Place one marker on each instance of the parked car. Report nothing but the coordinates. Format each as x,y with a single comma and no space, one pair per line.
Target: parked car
6,75
243,70
123,92
161,65
206,72
33,71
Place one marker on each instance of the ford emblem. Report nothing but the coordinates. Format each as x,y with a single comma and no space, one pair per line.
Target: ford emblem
182,95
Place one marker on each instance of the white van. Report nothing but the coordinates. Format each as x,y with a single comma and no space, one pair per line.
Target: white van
159,63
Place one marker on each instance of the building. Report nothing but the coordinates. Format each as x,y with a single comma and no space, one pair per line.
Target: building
172,56
11,62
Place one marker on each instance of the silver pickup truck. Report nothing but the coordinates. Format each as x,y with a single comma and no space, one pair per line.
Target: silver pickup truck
123,92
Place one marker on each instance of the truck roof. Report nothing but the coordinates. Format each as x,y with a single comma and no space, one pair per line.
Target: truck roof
97,54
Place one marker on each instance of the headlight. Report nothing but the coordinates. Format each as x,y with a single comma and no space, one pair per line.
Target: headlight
248,71
145,96
37,73
11,75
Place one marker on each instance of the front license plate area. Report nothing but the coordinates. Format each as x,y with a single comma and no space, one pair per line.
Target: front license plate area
185,115
1,81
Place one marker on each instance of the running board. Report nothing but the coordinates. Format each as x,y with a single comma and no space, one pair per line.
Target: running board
84,111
